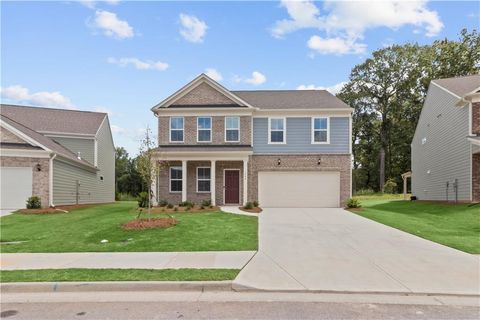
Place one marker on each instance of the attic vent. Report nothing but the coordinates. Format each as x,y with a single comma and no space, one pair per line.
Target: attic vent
79,155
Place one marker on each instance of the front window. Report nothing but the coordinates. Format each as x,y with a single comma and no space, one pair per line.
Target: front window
204,129
203,179
176,129
175,179
276,130
320,130
232,129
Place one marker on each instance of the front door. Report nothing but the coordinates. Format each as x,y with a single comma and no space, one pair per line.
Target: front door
232,186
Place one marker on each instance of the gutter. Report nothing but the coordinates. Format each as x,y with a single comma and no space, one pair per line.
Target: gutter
50,182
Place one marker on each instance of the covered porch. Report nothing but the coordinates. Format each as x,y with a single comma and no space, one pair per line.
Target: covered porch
196,176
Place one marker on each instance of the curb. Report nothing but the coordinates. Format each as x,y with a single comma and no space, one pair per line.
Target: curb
31,287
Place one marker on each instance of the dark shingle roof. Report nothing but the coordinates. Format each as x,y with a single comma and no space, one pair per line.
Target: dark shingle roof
54,120
460,85
291,99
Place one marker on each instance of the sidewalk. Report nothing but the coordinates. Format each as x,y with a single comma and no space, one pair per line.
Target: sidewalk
126,260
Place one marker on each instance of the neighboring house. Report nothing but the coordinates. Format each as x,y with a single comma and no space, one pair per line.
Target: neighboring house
62,156
446,144
286,148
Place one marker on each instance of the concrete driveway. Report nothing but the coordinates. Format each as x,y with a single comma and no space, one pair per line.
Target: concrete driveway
6,212
335,250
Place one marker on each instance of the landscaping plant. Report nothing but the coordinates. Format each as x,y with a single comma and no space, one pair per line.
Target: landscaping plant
353,203
34,202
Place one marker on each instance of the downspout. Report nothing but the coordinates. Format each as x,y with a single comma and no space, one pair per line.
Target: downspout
50,180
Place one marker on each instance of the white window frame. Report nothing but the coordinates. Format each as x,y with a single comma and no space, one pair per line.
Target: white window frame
238,129
170,179
209,180
170,130
198,129
313,130
284,130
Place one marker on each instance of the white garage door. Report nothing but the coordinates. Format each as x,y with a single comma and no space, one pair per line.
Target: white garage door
15,188
299,189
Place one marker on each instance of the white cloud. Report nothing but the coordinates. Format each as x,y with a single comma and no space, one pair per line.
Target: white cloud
336,88
335,45
104,110
21,94
214,74
118,130
348,20
91,4
256,79
193,29
112,26
139,64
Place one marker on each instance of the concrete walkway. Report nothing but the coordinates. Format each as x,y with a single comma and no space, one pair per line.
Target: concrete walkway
335,250
6,212
126,260
236,210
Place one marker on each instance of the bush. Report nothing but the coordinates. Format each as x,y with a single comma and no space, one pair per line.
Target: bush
34,202
163,203
207,203
186,204
353,203
169,206
175,209
390,186
142,200
255,204
364,192
248,205
117,196
124,196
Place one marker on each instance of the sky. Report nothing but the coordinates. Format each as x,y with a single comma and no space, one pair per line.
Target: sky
124,57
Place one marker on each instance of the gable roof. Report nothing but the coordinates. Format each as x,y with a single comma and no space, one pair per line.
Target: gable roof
460,86
48,120
292,99
44,142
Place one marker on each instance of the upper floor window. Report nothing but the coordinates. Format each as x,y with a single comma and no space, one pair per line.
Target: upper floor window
176,129
204,129
203,179
232,129
320,127
176,176
276,130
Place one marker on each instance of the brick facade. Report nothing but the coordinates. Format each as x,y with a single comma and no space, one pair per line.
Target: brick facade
329,162
218,131
476,177
204,94
40,178
7,136
476,118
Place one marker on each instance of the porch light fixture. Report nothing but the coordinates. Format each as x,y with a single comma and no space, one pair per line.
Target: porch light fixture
38,167
319,162
279,161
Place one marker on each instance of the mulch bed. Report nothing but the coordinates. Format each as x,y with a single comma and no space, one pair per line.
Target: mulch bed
179,209
154,223
254,210
42,211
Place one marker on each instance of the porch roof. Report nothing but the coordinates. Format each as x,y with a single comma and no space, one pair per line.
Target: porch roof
201,152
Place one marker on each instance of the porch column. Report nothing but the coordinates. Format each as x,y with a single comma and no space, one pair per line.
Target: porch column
154,195
184,180
212,181
245,181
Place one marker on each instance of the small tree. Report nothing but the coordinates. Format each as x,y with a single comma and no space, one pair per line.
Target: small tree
147,166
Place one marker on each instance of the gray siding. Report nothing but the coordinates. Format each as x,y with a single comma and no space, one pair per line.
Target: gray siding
446,153
86,147
92,188
299,137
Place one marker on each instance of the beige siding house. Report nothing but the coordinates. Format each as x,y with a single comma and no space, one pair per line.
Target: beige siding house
63,156
446,144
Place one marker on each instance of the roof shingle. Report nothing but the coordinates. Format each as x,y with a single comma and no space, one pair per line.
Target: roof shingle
460,85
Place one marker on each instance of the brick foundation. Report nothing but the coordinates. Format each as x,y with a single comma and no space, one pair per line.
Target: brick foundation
476,177
40,179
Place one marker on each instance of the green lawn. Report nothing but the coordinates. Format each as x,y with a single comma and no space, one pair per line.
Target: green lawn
82,230
456,226
55,275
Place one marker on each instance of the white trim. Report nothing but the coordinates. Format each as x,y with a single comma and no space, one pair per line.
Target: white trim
312,131
68,136
101,124
471,173
170,179
95,160
24,153
245,181
180,112
50,180
302,113
224,187
474,141
198,179
184,180
350,136
202,78
213,179
446,90
170,129
225,129
211,129
284,130
202,155
470,119
22,135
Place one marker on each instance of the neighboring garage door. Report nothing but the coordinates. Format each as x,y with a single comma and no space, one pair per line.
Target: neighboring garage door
16,187
307,189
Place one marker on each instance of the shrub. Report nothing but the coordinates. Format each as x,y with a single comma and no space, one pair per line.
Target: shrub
207,203
248,205
163,203
142,200
364,192
255,204
34,202
175,209
353,203
186,204
117,196
169,206
124,196
390,186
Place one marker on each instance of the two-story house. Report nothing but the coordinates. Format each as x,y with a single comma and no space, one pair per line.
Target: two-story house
285,148
446,144
63,156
